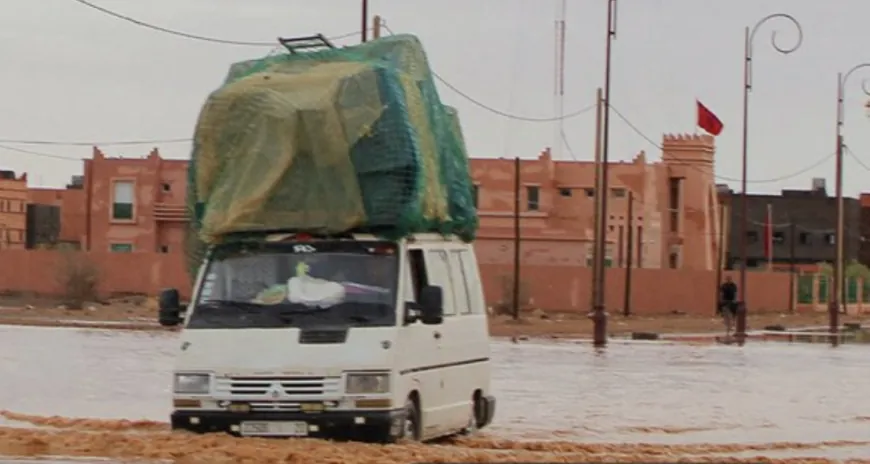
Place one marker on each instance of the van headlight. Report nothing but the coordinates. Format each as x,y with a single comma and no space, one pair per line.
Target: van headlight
191,383
360,384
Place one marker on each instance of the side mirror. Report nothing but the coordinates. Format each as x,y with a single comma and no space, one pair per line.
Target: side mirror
170,308
431,305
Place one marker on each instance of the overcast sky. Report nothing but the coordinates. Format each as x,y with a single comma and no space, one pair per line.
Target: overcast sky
71,73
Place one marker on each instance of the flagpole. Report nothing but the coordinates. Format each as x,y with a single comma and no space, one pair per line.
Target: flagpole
769,236
749,36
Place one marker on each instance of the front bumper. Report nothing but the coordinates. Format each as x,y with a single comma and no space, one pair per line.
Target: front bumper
359,425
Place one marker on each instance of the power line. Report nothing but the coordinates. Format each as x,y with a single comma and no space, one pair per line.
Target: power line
36,153
567,145
729,179
103,143
249,43
188,35
856,158
505,114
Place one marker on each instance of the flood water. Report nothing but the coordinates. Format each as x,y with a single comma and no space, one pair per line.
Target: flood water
651,393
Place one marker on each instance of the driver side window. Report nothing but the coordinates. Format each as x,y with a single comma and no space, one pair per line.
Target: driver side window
438,267
408,284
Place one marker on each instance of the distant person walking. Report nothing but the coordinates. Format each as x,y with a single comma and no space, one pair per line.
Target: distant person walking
728,303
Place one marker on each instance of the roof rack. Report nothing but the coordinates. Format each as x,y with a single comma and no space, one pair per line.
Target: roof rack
307,44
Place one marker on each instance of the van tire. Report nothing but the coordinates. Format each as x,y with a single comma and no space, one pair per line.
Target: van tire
411,428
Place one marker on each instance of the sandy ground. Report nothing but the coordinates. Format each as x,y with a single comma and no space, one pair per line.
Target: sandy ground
153,441
140,313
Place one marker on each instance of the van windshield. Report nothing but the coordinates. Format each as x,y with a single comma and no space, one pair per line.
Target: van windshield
272,285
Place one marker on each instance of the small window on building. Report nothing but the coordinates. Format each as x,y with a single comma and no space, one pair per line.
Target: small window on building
164,249
778,238
122,200
167,187
752,236
590,192
532,198
618,192
830,239
121,248
475,195
805,238
565,192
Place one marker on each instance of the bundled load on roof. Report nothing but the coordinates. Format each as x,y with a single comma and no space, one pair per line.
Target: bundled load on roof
331,141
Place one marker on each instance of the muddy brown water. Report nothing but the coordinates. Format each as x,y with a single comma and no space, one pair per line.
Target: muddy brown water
630,392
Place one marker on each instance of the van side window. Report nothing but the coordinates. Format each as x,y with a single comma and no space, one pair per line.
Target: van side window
438,267
460,283
417,267
472,278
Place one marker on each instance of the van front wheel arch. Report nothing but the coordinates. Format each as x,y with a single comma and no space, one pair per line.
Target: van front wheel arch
411,430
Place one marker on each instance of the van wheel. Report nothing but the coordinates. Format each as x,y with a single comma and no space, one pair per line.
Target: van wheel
411,428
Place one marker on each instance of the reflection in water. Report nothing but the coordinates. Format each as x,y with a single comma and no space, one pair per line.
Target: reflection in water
630,393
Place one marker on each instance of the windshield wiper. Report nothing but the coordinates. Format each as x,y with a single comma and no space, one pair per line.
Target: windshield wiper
245,305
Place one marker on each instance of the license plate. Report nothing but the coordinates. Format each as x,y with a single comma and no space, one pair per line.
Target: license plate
274,429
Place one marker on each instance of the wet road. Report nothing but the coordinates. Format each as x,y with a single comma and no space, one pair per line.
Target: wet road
653,393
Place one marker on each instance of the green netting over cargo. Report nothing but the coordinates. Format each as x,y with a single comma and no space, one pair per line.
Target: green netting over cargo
331,141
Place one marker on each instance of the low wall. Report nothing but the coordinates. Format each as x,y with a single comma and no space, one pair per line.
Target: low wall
653,291
548,287
39,272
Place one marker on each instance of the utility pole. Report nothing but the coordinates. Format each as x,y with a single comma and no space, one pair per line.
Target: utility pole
626,308
376,27
792,236
517,241
839,265
365,21
599,219
720,258
749,36
599,313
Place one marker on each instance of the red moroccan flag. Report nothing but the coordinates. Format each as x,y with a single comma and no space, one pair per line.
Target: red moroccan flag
707,120
768,235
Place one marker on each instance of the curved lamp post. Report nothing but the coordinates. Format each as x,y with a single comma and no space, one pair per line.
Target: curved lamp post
740,331
835,300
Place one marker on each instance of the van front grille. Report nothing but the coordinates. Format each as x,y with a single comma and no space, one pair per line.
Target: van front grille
266,406
277,387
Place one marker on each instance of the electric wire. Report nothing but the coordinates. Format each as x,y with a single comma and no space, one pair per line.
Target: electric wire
188,35
792,175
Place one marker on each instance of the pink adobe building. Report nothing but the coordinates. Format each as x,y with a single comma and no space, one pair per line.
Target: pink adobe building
676,220
123,204
137,204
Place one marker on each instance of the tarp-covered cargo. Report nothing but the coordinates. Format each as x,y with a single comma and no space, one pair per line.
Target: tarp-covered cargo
330,141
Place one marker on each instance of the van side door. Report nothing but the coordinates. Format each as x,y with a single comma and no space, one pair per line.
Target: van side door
465,344
419,349
439,271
